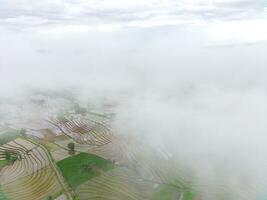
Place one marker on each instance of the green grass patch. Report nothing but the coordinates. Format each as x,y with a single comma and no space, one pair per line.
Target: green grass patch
3,163
188,195
166,192
169,192
82,167
2,195
8,135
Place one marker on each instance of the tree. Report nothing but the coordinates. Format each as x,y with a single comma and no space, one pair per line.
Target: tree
50,198
11,158
79,110
71,147
62,118
7,155
22,131
76,198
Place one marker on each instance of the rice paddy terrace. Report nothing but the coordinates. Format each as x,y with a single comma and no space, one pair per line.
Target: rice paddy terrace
80,157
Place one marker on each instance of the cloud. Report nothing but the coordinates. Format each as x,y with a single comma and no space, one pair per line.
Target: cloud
122,14
238,3
238,31
227,22
166,64
217,136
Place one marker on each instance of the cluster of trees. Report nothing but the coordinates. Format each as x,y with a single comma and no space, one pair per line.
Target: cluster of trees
11,157
23,132
71,147
79,110
62,118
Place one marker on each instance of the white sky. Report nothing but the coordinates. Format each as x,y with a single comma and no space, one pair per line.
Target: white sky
222,19
51,35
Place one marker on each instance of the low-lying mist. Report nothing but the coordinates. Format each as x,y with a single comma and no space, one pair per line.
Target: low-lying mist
205,105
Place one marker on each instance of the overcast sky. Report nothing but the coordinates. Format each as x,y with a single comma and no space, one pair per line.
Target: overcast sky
40,39
243,17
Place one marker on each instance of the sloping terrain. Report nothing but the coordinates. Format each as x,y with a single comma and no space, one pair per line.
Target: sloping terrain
29,177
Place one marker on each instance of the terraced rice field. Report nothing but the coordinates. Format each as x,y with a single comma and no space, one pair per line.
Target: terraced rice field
129,152
105,166
168,192
60,154
120,149
36,186
116,184
134,155
86,131
123,183
158,170
30,177
78,147
32,158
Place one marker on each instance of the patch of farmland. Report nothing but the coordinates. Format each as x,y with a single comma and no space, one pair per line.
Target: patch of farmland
78,147
82,167
159,170
51,146
60,154
86,131
168,192
103,118
31,158
117,184
36,186
147,164
26,144
51,134
32,124
120,149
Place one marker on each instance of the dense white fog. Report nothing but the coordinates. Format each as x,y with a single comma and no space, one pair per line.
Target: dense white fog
189,77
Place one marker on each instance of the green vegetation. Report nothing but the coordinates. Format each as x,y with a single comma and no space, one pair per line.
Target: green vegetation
166,192
76,198
71,147
79,110
2,195
82,167
8,135
188,195
169,192
3,163
62,118
23,132
11,157
78,170
50,198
